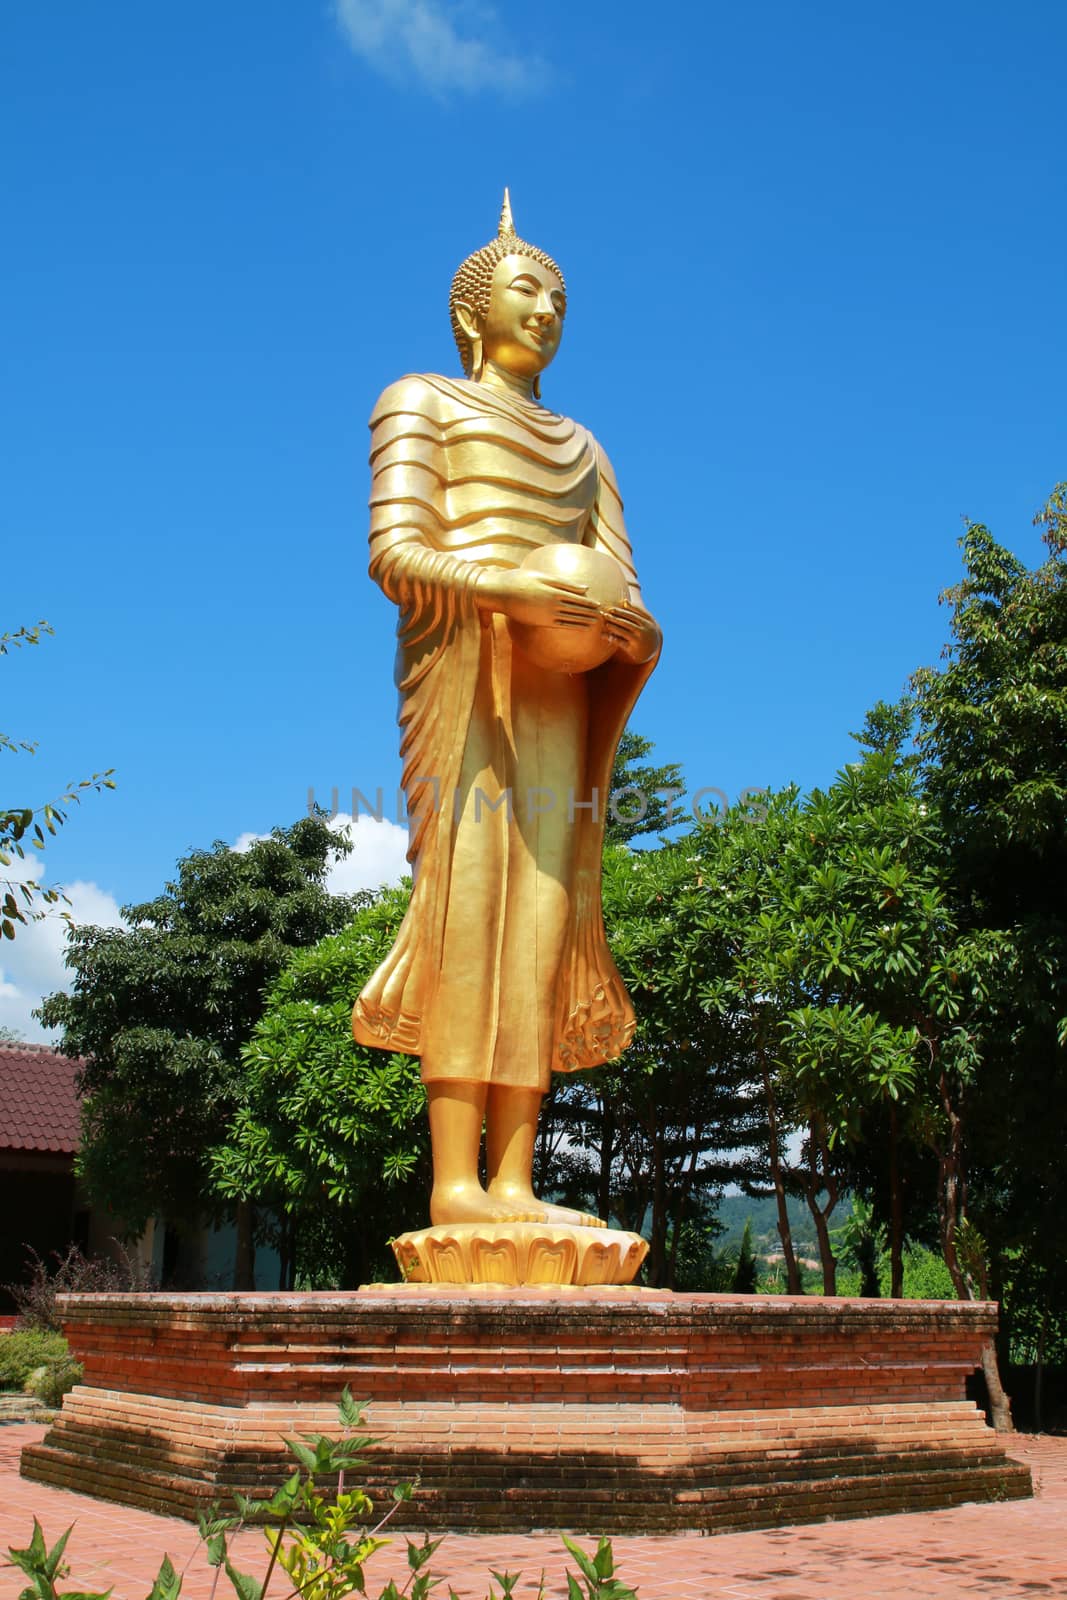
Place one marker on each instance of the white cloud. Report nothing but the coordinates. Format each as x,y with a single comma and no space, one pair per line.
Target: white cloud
245,841
31,964
443,44
379,854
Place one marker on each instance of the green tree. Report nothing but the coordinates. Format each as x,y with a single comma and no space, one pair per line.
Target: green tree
699,1265
993,734
330,1136
746,1272
22,900
734,859
650,1138
159,1012
838,977
993,721
640,800
860,1244
874,928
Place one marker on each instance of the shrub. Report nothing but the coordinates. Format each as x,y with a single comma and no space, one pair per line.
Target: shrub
24,1351
926,1276
50,1383
73,1273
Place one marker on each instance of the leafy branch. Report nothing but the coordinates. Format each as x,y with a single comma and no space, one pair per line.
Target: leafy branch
22,825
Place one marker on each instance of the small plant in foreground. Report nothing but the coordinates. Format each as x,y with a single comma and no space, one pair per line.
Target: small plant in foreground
315,1540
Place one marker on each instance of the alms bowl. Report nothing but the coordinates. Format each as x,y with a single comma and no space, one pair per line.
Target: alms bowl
568,647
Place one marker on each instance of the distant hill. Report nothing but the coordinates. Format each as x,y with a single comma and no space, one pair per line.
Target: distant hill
735,1210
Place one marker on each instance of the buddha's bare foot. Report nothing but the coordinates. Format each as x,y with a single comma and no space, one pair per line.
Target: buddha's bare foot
470,1203
562,1216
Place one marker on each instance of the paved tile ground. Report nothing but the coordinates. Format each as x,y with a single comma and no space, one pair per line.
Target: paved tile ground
1012,1550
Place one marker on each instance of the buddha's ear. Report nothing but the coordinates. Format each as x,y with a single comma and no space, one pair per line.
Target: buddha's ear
468,319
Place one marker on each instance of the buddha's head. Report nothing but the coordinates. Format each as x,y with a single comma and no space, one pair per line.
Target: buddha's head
508,302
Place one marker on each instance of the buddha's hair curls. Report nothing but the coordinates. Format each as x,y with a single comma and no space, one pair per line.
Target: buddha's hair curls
474,277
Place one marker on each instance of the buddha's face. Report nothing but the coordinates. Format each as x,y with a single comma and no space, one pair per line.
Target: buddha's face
522,327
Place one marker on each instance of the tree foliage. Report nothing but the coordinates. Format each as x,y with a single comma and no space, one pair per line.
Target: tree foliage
993,724
649,1138
160,1010
746,1270
993,735
829,952
640,800
331,1136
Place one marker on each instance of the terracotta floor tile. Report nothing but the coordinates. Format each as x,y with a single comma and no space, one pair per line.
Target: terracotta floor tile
1015,1550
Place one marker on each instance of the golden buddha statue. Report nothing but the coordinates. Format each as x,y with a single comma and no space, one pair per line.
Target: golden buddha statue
523,643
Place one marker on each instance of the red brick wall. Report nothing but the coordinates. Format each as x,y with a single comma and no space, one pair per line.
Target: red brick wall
703,1351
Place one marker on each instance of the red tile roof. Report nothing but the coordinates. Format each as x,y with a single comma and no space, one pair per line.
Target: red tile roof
38,1099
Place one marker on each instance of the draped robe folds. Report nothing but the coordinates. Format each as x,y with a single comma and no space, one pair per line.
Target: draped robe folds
501,970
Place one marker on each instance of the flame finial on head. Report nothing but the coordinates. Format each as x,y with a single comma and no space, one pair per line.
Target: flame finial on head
506,230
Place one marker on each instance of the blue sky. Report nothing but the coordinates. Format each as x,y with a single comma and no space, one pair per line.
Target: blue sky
814,257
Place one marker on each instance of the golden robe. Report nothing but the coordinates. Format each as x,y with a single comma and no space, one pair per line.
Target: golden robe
501,971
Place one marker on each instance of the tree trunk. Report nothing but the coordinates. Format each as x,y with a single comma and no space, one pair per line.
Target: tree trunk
817,1181
792,1271
950,1189
950,1212
286,1252
682,1189
896,1211
244,1262
657,1247
826,1254
672,1256
607,1156
632,1200
827,1259
1039,1377
999,1404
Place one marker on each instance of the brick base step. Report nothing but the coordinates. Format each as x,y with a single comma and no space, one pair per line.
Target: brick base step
588,1508
654,1469
594,1412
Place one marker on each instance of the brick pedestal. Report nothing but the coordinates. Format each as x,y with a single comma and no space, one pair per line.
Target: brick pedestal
603,1411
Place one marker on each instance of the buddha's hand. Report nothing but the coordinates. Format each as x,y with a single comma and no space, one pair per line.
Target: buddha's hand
536,600
634,633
